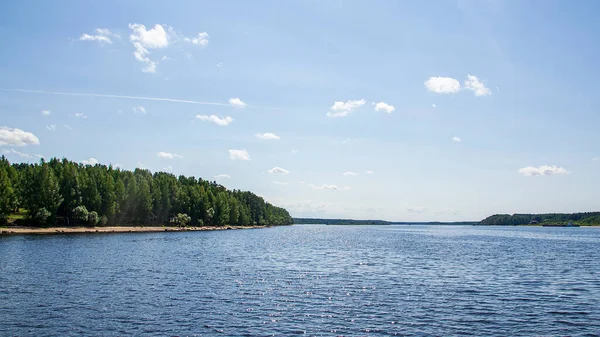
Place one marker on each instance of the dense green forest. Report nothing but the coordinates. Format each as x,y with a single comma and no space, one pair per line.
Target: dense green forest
65,193
583,219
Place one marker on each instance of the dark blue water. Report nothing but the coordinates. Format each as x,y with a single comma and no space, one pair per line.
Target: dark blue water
313,280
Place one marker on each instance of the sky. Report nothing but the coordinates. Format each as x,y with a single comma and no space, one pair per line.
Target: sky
395,110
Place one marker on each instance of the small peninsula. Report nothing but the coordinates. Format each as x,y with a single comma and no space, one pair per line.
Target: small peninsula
61,195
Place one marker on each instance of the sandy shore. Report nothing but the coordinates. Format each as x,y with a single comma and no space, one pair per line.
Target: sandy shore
113,229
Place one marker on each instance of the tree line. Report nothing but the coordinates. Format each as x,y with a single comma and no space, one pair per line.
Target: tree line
62,192
585,219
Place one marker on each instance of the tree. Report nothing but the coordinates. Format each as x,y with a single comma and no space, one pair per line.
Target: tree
80,214
6,195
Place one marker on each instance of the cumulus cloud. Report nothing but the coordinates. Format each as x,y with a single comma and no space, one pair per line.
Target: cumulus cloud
144,39
280,183
434,106
46,112
17,137
456,139
416,209
51,127
91,161
442,85
349,173
472,83
369,172
267,136
139,110
236,102
18,153
201,39
222,176
544,170
101,35
80,115
278,170
381,106
239,155
168,155
216,119
342,109
329,187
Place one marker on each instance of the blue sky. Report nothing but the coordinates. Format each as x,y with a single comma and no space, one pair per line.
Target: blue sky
397,110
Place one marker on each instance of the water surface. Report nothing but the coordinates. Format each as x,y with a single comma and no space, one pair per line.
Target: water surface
312,280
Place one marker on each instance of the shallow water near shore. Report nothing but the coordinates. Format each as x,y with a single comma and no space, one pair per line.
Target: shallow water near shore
311,279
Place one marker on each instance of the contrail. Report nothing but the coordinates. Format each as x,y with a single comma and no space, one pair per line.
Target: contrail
115,96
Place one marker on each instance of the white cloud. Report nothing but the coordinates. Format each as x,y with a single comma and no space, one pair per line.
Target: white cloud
139,110
342,109
51,127
294,151
369,172
117,165
239,155
46,112
442,85
456,139
544,170
220,64
17,137
596,158
329,187
216,119
472,83
416,209
91,161
143,40
68,127
381,106
18,153
80,115
222,176
434,106
280,183
169,155
278,170
38,155
349,173
201,39
236,102
267,136
165,58
168,168
188,55
101,35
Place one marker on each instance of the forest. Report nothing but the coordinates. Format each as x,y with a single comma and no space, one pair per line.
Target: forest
582,219
66,193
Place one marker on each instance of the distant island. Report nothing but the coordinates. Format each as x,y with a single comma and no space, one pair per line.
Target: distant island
63,193
578,219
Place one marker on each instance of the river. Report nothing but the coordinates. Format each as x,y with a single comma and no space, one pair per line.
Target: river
313,280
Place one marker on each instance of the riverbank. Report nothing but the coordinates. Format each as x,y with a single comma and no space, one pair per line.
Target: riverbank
111,229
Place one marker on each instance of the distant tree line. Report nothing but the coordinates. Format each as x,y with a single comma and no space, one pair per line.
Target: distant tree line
62,192
588,218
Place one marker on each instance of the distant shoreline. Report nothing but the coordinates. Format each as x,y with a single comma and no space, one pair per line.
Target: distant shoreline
112,229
